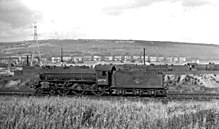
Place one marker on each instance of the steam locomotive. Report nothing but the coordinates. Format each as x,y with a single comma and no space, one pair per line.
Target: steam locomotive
113,79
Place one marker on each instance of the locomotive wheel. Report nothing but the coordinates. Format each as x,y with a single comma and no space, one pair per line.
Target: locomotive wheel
39,91
135,92
141,92
63,91
164,93
98,90
110,92
52,91
79,89
120,92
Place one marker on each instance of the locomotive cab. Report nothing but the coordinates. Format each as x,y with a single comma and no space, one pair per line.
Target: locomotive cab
102,77
104,74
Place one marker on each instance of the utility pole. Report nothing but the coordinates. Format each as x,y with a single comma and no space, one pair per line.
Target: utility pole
62,56
144,55
35,48
27,60
9,63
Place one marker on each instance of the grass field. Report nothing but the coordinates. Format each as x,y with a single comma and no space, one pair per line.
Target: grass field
82,112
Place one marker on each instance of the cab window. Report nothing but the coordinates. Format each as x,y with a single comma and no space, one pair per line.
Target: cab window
102,73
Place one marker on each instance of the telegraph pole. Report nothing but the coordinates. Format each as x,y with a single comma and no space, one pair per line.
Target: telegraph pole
144,55
62,56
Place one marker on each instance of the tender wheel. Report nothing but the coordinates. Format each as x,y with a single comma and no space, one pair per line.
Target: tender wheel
111,92
52,91
79,89
164,93
135,92
98,90
39,91
63,91
120,92
141,92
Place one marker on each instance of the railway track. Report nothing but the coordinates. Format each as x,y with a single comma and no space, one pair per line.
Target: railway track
192,96
17,93
170,96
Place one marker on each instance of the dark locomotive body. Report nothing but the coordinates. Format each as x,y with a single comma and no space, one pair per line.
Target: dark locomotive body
110,79
77,80
63,80
103,79
138,82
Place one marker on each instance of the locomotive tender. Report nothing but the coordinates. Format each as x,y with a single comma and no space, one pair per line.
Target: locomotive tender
114,79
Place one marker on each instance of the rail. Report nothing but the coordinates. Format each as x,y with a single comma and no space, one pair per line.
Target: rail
170,96
17,93
192,96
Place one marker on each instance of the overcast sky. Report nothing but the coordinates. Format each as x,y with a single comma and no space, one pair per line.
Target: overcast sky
160,20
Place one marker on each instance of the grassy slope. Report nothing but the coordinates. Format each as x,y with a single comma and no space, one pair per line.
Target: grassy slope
97,113
112,47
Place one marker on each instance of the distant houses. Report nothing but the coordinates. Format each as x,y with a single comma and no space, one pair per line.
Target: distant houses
118,58
78,59
127,58
137,58
182,59
175,59
160,59
153,58
169,59
56,59
96,58
108,58
67,58
87,58
11,59
146,58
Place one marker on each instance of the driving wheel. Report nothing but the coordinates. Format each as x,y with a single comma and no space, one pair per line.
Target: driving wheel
63,91
52,91
79,89
98,90
39,91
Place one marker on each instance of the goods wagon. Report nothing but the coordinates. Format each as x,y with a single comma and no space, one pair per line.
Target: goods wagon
178,68
138,82
205,67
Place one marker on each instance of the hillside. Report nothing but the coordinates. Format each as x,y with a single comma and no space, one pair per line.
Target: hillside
115,47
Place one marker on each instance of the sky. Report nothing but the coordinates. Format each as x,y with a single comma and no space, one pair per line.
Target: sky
195,21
